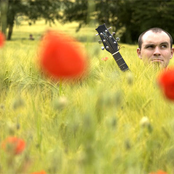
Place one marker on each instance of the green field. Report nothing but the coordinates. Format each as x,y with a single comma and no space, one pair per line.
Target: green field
112,122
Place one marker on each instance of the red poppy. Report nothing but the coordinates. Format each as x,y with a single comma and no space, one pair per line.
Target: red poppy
13,145
158,172
61,56
166,82
2,39
105,58
41,172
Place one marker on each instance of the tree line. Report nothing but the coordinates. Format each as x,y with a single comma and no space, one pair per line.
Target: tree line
128,17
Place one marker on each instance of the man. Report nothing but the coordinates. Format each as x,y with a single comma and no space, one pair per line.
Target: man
155,46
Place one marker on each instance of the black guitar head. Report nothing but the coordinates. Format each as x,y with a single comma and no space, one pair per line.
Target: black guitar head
111,45
108,40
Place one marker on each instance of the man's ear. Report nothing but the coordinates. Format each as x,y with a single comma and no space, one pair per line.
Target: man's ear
139,53
172,52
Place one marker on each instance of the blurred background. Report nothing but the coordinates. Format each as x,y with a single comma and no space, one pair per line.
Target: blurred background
127,17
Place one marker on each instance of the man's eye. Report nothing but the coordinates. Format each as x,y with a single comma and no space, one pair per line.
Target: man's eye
150,46
163,46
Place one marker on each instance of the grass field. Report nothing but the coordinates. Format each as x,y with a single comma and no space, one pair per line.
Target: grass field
112,122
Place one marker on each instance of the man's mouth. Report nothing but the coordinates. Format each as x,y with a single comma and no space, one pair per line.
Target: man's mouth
156,60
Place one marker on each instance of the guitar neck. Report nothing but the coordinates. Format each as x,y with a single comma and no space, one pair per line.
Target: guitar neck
120,61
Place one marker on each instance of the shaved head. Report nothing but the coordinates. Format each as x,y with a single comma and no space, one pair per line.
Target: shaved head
154,30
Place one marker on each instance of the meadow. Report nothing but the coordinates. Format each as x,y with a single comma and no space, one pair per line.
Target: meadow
112,122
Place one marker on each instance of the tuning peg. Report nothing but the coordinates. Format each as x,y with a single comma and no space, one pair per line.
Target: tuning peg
102,48
113,33
117,39
104,40
97,34
107,47
109,28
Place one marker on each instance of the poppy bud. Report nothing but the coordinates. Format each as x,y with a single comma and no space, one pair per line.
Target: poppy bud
13,145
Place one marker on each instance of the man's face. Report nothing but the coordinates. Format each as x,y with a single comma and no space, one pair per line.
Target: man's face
156,48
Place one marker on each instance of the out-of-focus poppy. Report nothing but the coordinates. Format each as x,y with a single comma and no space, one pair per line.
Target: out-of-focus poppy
166,82
13,145
2,39
61,56
158,172
105,58
41,172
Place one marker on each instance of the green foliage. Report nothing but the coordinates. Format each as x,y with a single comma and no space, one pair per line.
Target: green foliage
50,10
76,11
128,17
154,14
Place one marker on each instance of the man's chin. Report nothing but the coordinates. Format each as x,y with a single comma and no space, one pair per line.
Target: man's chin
158,64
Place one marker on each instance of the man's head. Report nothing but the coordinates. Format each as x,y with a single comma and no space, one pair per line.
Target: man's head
155,46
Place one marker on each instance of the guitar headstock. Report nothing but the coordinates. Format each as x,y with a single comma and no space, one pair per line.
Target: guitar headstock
110,44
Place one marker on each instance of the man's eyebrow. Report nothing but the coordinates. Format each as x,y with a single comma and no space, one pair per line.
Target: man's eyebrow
149,44
164,43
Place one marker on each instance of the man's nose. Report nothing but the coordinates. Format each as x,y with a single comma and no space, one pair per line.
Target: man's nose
157,51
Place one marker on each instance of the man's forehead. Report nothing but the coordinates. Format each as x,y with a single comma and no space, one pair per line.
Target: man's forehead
155,37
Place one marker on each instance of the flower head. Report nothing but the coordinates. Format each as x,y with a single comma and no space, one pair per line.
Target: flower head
130,78
144,121
166,82
60,103
13,145
62,57
105,58
2,39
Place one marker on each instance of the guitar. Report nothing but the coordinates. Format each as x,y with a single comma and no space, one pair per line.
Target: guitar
111,45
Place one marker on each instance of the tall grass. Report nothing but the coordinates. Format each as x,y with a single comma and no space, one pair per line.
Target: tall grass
92,126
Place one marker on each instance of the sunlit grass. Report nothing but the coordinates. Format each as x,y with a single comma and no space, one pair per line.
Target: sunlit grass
97,127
